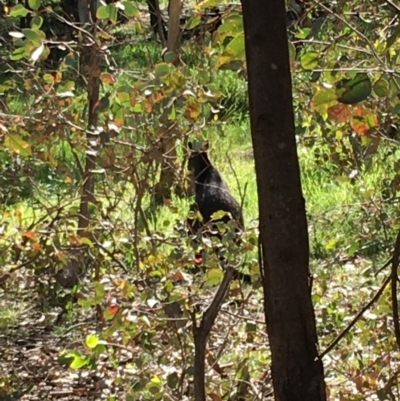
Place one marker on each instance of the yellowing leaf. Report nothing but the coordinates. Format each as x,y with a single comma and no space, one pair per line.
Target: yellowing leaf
214,276
323,99
92,340
310,60
18,145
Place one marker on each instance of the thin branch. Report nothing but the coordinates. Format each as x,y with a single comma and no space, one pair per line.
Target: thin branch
394,278
356,318
202,332
355,30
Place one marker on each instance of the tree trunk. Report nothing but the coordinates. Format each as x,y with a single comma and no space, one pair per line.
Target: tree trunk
83,11
296,370
90,67
156,21
174,28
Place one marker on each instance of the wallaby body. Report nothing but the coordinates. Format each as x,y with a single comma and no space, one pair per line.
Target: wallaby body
211,191
212,195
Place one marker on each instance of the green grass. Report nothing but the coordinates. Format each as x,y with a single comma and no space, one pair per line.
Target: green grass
11,312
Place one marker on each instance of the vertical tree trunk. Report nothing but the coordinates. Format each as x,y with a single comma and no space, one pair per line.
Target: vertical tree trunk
83,10
157,21
90,67
174,28
169,168
296,370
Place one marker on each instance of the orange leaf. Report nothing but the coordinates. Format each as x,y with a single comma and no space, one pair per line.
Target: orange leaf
362,120
177,276
37,247
29,234
108,78
113,309
74,240
215,397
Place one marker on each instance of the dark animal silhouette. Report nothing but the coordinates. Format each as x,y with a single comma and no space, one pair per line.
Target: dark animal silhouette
211,191
212,195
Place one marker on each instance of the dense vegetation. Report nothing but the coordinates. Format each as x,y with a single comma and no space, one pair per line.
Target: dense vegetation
103,304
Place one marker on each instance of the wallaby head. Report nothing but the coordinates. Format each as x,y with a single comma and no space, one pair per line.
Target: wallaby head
198,158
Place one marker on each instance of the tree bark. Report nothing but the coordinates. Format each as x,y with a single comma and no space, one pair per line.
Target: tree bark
156,21
91,57
297,371
174,28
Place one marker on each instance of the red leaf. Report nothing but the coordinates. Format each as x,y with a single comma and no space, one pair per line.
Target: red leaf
113,309
339,112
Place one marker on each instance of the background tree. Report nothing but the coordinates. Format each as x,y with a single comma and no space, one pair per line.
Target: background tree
296,368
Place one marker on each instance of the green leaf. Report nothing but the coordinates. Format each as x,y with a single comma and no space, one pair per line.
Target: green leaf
173,380
156,380
85,303
214,276
31,35
65,359
85,240
113,11
18,145
236,47
162,69
34,4
323,99
19,11
231,26
130,9
169,57
353,249
49,79
309,60
396,109
193,22
354,90
218,215
315,75
381,87
292,52
103,12
36,22
207,3
79,362
99,289
172,114
92,340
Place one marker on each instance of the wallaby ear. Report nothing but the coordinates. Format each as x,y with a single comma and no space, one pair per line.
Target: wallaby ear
206,146
190,145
